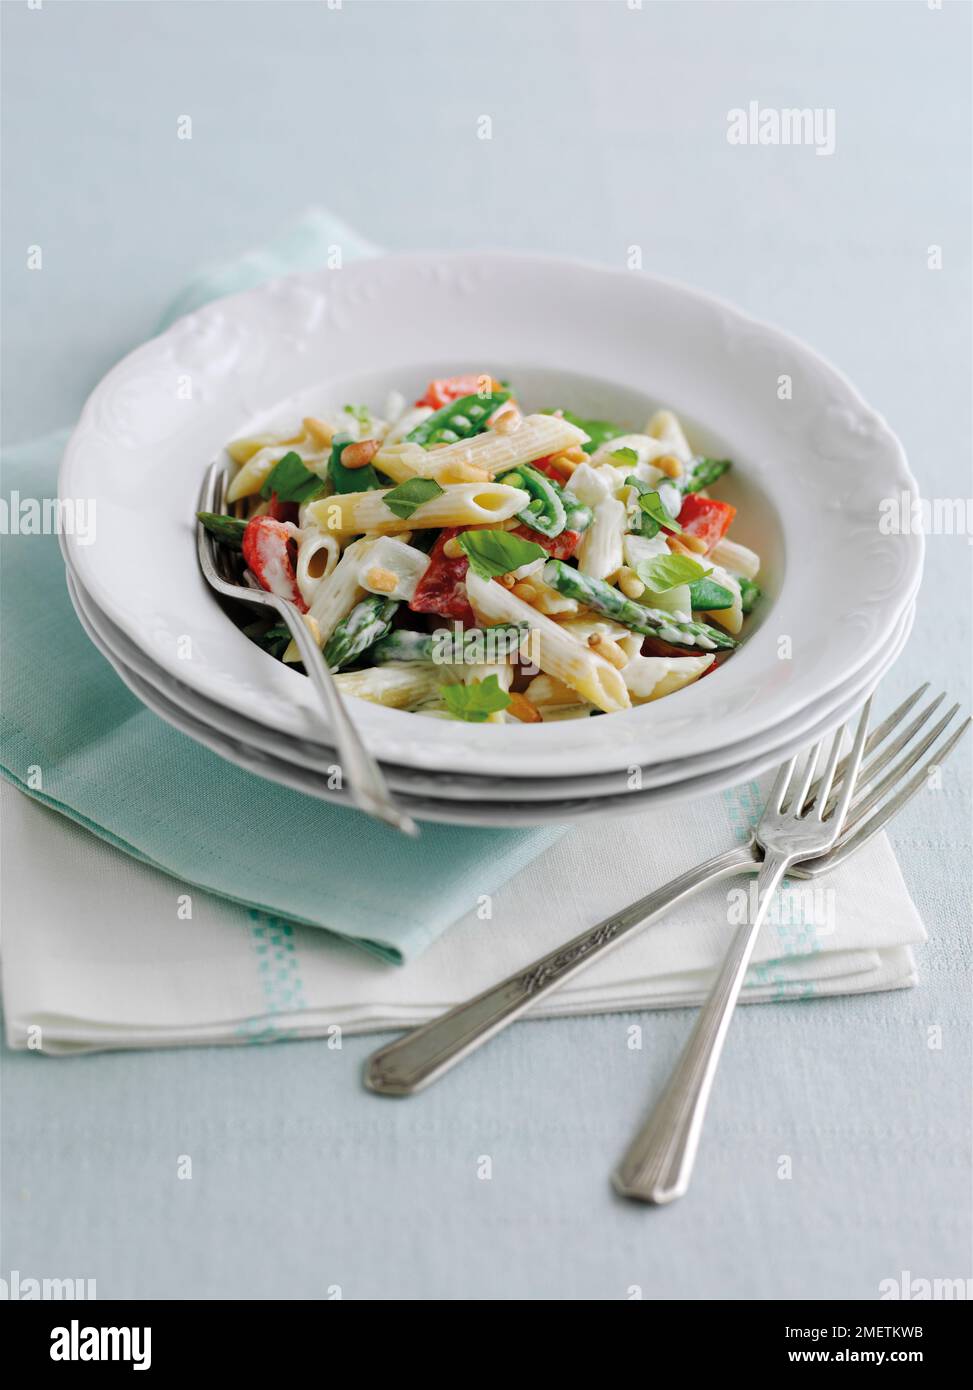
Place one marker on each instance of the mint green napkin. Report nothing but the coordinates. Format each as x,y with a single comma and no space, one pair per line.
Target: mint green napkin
75,738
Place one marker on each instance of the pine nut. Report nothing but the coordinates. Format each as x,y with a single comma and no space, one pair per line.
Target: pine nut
685,544
669,465
630,584
609,649
452,549
523,709
564,463
361,454
524,589
382,580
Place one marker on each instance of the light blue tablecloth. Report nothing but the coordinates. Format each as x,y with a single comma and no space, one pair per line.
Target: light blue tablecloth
301,1181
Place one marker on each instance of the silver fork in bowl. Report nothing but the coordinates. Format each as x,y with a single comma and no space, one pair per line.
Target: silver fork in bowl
407,1065
796,824
369,790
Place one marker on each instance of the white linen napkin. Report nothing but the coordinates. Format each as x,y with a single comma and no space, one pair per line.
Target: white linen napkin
101,951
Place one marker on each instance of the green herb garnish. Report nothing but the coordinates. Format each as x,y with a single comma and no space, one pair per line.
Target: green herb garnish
492,553
664,572
291,481
709,596
404,499
474,702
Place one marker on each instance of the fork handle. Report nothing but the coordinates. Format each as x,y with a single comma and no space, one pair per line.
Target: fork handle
658,1164
369,789
429,1052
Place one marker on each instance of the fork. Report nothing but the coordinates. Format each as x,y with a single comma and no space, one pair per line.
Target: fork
796,824
369,790
429,1052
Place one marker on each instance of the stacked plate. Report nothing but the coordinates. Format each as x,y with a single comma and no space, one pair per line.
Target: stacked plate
818,479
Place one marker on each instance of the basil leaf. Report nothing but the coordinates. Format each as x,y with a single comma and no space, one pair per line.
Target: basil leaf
708,595
663,572
404,499
291,481
651,505
475,701
492,553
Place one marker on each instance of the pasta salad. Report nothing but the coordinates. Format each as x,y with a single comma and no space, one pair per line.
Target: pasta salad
463,559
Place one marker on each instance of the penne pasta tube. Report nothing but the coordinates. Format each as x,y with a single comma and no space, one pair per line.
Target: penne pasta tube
393,685
242,450
490,452
317,556
665,427
644,446
460,504
601,545
335,597
736,558
651,677
558,652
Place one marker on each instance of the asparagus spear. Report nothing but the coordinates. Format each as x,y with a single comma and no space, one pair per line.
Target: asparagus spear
701,474
228,529
653,622
447,646
749,593
365,624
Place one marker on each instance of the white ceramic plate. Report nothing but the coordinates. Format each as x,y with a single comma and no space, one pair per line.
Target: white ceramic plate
506,814
124,654
810,475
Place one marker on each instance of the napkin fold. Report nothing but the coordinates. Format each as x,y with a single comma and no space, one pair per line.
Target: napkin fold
196,913
101,952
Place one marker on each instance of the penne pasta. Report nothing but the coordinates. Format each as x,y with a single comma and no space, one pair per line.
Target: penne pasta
394,685
317,556
541,609
665,427
601,545
460,504
558,653
651,677
336,596
489,452
736,558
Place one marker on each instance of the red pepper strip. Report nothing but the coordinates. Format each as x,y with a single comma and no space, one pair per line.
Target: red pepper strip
267,550
560,547
442,589
452,388
282,511
705,518
546,466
